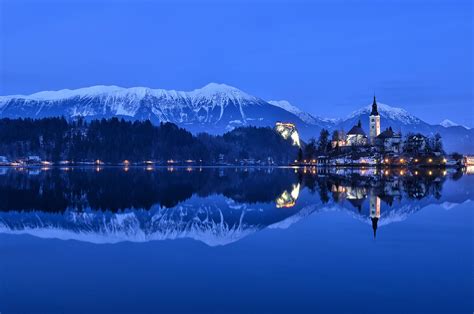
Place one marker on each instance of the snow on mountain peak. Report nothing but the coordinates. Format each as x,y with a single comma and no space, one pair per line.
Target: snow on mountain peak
306,117
386,111
223,91
448,123
285,104
69,93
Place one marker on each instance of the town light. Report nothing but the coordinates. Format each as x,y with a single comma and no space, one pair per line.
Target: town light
402,160
416,173
386,160
126,162
430,172
430,160
402,173
445,160
416,159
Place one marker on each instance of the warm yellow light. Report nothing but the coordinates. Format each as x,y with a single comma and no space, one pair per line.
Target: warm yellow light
402,173
305,160
416,173
444,160
126,162
296,160
416,160
430,172
98,162
402,160
386,172
314,160
430,160
444,172
386,160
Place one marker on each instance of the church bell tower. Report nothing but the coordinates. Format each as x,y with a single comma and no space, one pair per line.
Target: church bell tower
374,122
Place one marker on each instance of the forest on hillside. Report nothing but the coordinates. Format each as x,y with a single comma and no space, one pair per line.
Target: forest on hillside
115,140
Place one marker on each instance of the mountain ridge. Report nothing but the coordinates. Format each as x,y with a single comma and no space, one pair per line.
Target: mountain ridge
214,108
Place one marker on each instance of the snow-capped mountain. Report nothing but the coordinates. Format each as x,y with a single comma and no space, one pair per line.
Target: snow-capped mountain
305,116
215,108
388,112
448,124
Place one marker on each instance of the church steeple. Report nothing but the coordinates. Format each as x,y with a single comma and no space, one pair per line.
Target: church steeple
374,225
374,112
374,122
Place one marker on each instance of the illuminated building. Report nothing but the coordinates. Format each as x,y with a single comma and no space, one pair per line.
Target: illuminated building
288,199
288,130
374,123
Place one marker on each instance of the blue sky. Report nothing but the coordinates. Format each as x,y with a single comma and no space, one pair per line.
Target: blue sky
327,57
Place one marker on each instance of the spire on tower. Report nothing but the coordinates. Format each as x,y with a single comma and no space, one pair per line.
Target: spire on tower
374,225
375,111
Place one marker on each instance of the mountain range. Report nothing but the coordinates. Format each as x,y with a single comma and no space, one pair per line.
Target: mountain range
214,108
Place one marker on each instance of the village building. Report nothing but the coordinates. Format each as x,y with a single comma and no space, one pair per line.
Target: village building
389,141
356,136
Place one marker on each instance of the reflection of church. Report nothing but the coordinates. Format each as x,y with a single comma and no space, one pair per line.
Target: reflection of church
356,196
374,211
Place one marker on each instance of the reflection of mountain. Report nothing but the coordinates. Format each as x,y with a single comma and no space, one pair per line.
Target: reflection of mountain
219,206
214,220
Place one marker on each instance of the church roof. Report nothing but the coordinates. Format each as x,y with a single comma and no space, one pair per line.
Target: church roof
388,133
356,130
374,111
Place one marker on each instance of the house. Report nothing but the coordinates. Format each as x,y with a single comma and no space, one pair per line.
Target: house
416,143
389,141
356,136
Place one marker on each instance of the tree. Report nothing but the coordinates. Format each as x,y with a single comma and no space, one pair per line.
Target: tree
323,141
300,155
437,143
310,150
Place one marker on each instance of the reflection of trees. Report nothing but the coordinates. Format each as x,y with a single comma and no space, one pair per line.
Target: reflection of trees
115,189
355,187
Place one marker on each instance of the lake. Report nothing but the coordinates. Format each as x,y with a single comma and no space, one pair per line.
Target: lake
237,240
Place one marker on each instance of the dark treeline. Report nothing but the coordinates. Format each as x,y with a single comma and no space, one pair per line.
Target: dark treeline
115,190
115,140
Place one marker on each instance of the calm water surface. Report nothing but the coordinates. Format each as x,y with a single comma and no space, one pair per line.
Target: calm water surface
235,240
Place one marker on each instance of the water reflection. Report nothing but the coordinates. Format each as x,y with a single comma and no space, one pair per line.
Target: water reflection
214,205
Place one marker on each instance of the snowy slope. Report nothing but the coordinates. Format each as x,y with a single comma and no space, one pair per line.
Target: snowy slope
448,124
306,117
214,108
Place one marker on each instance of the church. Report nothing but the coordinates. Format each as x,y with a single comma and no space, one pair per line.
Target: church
387,141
